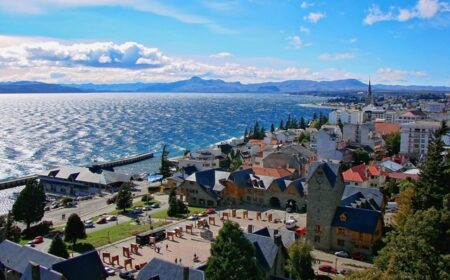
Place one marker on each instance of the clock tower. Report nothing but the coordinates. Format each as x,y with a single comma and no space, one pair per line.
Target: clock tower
325,189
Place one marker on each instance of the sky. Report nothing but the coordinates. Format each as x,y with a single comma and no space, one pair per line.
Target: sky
116,41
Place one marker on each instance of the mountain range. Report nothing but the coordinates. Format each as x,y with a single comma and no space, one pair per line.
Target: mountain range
196,84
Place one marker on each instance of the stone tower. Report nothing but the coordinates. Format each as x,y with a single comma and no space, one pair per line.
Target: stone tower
325,189
369,97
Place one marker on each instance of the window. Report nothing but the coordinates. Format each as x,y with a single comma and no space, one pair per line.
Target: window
317,239
317,228
340,230
341,242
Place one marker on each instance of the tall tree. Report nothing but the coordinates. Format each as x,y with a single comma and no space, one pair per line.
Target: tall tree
124,198
340,124
281,125
272,128
314,116
29,205
58,248
392,141
236,161
289,122
434,178
172,211
246,135
232,256
74,229
360,156
404,202
299,264
164,169
302,124
10,230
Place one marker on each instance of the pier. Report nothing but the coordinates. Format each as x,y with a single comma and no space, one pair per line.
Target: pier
100,165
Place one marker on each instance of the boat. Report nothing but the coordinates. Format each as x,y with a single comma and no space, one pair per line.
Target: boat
154,177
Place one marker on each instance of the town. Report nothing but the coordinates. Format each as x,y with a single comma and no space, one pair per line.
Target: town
299,200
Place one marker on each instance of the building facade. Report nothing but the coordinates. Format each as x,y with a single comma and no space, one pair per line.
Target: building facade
416,136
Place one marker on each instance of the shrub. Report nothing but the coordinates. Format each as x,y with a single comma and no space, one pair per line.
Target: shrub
66,200
112,199
42,228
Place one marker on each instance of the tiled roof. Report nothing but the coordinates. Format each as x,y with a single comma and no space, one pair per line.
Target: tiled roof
17,257
355,174
241,178
87,266
165,270
386,128
300,185
362,197
330,169
266,171
288,237
266,249
356,219
402,176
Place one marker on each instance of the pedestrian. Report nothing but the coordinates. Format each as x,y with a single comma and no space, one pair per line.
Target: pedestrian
167,247
180,260
176,260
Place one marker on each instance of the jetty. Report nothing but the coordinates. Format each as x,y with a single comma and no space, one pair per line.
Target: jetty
98,165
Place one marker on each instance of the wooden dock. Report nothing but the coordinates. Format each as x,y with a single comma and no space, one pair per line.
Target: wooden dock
100,165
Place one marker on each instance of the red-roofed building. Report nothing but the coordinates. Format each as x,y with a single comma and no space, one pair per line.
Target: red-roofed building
364,176
273,172
383,128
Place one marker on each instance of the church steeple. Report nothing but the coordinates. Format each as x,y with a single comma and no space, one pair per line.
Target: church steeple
369,99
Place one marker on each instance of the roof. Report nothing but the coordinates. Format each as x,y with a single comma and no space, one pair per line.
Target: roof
17,257
241,178
84,174
45,273
208,178
288,237
330,169
356,219
413,113
402,176
165,270
355,174
362,197
87,266
188,170
386,128
300,185
391,165
266,249
267,171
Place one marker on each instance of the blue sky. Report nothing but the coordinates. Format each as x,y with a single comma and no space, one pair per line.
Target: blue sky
393,42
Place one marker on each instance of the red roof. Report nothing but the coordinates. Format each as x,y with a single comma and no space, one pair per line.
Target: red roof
358,173
374,170
386,128
273,172
402,176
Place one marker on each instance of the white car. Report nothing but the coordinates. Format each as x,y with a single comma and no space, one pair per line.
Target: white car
342,254
193,217
110,271
88,224
111,218
291,224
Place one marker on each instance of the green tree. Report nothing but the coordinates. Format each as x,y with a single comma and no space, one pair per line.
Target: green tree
340,124
74,229
236,161
392,141
272,128
432,184
29,205
58,248
246,135
11,231
289,122
299,264
173,210
124,198
164,169
302,124
232,256
281,125
360,156
404,202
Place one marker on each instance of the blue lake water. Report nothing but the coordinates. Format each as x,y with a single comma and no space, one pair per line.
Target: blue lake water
43,131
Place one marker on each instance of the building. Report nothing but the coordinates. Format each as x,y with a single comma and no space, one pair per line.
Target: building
202,159
353,217
20,262
385,128
346,116
411,116
159,269
215,187
416,136
364,134
329,143
81,181
435,107
364,176
290,157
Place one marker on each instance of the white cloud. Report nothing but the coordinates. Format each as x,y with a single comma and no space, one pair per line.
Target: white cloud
337,56
353,40
306,5
424,9
389,75
305,30
154,7
295,41
314,17
106,62
221,55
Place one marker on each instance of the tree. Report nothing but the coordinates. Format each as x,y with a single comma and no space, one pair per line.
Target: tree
404,202
246,135
314,116
340,124
124,198
302,124
74,229
281,125
236,161
272,128
29,205
360,156
172,211
11,231
164,169
392,143
432,184
232,256
58,248
299,264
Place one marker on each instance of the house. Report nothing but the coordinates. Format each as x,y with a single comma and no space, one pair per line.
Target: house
364,176
80,181
19,262
292,156
329,143
202,159
353,218
415,137
385,128
273,172
346,116
159,269
411,116
364,134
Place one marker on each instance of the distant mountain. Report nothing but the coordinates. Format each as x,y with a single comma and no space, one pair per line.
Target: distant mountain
35,87
196,84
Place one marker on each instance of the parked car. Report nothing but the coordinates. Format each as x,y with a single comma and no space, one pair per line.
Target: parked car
155,205
342,254
55,205
126,275
289,210
88,224
111,218
210,211
38,239
101,220
358,256
47,208
291,224
110,271
193,217
327,268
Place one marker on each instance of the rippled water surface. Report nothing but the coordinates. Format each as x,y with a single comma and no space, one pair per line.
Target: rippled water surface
41,131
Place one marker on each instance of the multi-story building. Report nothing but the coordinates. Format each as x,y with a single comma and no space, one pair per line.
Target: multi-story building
346,116
329,143
202,159
364,176
411,116
353,217
416,136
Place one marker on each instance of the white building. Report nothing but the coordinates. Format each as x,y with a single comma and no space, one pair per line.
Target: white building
202,160
416,136
329,143
434,107
346,116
